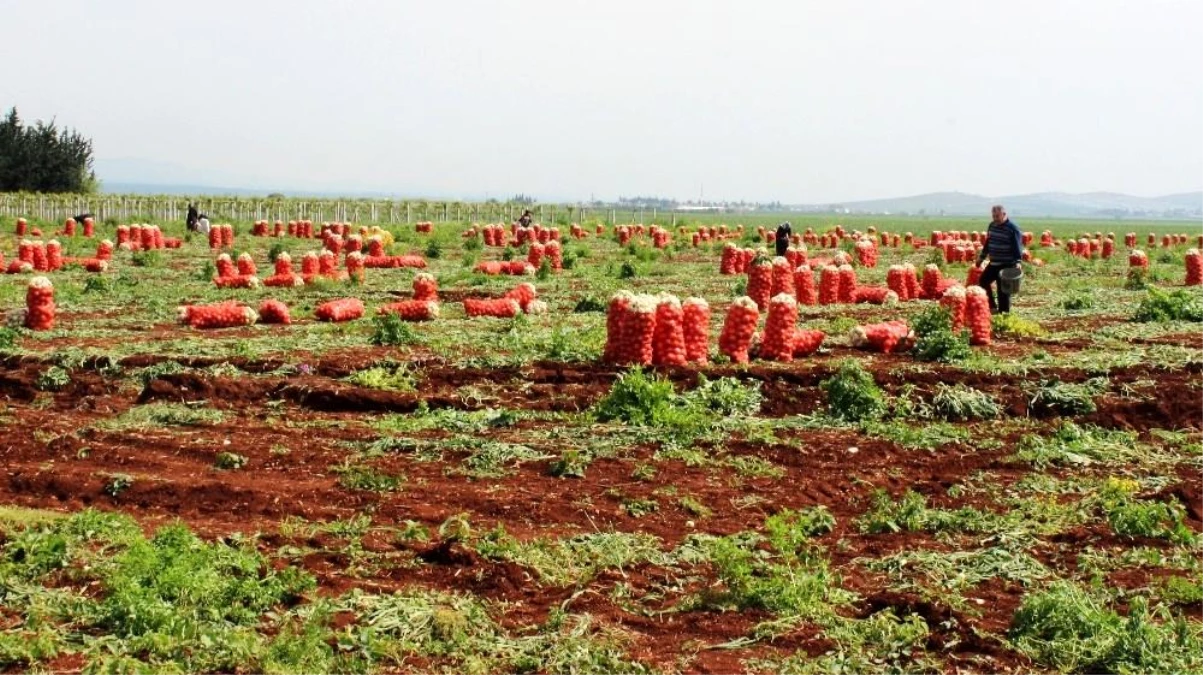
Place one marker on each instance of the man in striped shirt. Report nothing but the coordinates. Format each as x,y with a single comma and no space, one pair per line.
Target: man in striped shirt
1004,247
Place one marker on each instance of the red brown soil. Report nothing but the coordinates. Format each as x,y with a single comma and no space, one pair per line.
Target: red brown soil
295,429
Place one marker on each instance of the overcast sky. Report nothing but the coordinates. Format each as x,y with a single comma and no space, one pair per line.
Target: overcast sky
800,101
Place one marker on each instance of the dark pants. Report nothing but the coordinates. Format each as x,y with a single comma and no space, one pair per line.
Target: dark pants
989,276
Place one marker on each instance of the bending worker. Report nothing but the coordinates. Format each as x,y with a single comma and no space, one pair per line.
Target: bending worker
783,234
1004,247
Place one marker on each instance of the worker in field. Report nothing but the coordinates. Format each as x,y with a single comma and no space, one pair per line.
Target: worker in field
783,235
193,218
1004,248
526,219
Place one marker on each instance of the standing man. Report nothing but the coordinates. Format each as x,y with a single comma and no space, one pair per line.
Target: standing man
783,233
193,217
1004,247
526,218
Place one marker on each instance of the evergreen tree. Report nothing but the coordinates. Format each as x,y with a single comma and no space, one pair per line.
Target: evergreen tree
43,158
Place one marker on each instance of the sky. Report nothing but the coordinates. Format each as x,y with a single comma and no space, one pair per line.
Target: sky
798,101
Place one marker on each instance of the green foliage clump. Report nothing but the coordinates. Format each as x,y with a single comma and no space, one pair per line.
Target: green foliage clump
1072,445
53,378
726,397
1182,591
961,403
571,463
97,284
390,330
434,250
935,339
1077,301
589,304
627,271
852,394
229,461
790,530
367,479
912,514
1138,279
146,259
8,337
641,399
207,271
1013,326
1069,629
1131,517
1176,305
796,580
1067,398
276,249
386,378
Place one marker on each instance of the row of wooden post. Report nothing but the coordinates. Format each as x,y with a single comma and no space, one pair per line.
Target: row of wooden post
127,208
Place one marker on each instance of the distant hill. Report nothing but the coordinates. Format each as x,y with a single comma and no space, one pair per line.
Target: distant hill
1050,204
179,189
151,177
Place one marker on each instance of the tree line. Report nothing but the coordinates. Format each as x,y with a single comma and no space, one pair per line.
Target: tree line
44,158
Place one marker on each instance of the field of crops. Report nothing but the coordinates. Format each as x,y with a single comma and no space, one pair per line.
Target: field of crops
508,493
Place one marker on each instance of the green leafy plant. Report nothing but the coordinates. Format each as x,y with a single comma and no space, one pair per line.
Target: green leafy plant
1071,444
1131,517
388,378
1014,326
646,400
788,531
206,272
852,394
118,483
935,339
229,461
390,330
356,477
1067,398
146,259
98,284
1077,301
1069,629
725,396
910,513
589,304
1177,305
571,464
53,378
961,403
8,337
1137,279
